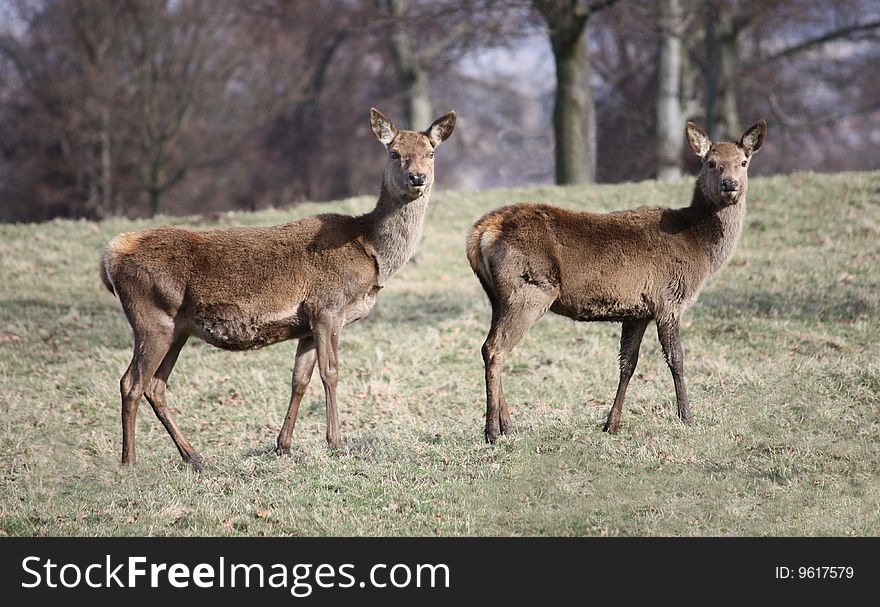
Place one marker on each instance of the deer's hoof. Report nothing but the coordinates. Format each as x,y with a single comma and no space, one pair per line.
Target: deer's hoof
196,462
491,435
611,427
281,451
507,429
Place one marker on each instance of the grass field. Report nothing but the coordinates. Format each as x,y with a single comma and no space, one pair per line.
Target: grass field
782,353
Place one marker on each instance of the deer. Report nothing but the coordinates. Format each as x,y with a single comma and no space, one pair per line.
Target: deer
630,266
246,288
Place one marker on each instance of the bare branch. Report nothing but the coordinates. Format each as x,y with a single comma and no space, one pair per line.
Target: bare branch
600,5
786,122
837,34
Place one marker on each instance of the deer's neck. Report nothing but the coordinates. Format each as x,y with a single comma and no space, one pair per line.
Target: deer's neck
394,230
717,228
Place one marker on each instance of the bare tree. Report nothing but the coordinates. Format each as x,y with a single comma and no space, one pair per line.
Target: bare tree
801,63
74,94
183,106
410,67
724,26
180,72
671,114
131,88
574,113
799,30
426,35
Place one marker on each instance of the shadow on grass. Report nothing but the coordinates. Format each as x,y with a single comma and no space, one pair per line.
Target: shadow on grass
368,448
420,310
264,450
54,308
78,322
825,304
841,303
266,454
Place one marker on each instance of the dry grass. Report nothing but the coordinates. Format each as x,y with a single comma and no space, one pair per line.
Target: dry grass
781,352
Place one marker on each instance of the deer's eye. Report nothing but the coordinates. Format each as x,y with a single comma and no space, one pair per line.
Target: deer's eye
744,162
711,164
431,154
395,155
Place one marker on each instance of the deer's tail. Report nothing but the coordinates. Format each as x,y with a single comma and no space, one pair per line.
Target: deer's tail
480,243
121,245
104,270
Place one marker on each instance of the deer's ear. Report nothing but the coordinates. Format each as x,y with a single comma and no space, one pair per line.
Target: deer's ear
441,129
698,139
382,127
753,138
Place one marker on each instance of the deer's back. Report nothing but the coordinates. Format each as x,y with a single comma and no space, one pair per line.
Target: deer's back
601,266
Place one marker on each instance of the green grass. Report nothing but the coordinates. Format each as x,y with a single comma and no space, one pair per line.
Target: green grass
782,352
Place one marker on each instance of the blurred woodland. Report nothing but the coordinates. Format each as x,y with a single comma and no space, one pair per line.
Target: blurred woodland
138,107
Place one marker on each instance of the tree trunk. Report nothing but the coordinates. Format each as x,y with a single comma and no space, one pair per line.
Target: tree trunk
670,116
93,199
417,100
155,200
411,74
574,115
722,42
108,205
155,187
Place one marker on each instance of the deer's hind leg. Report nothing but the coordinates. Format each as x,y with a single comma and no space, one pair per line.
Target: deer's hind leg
512,316
506,426
152,341
631,335
155,394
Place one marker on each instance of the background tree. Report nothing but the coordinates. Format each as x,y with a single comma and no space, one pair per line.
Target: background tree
671,115
139,95
800,64
190,106
410,67
574,114
424,37
64,109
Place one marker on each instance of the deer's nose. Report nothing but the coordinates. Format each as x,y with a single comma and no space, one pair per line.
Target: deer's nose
729,185
417,178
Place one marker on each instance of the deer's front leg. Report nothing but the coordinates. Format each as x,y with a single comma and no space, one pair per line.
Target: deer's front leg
325,332
667,331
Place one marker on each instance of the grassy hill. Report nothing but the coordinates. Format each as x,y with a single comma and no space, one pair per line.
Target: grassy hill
782,354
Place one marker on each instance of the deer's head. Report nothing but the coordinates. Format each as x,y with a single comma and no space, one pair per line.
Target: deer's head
409,171
724,178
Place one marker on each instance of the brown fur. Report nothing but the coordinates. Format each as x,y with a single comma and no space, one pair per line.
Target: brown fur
630,267
246,288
